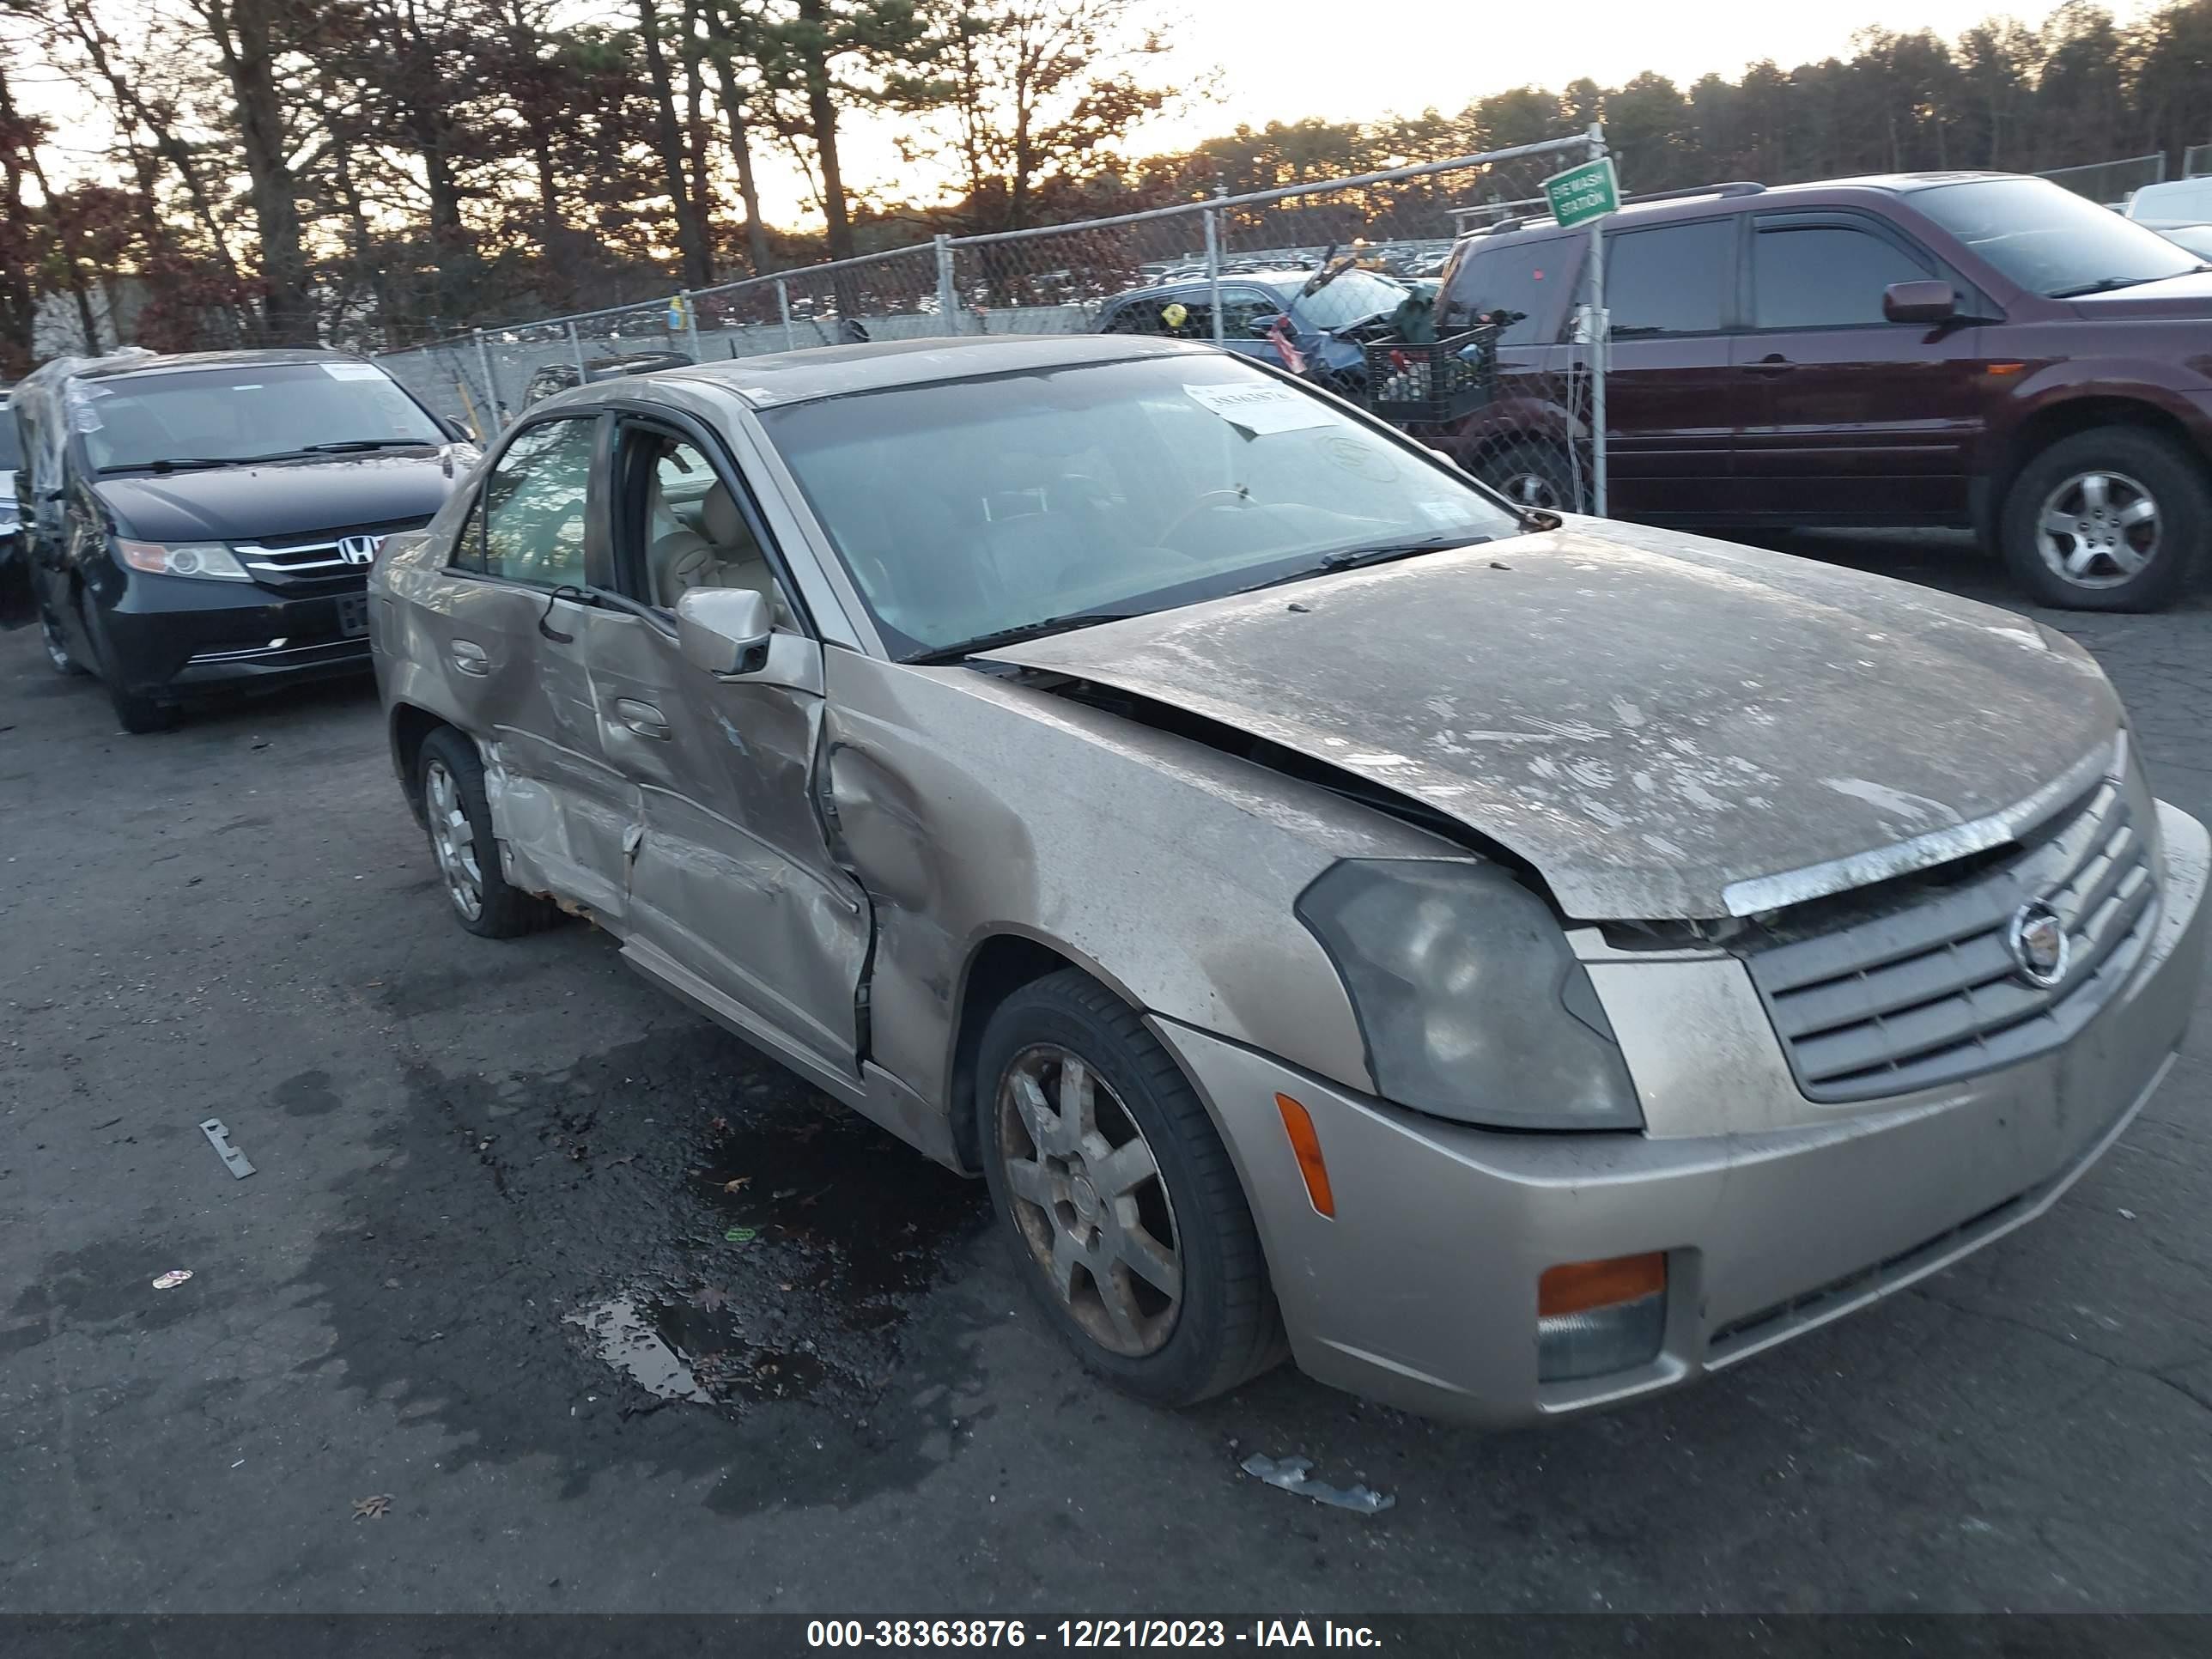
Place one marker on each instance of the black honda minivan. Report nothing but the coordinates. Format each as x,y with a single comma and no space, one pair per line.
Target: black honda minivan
204,523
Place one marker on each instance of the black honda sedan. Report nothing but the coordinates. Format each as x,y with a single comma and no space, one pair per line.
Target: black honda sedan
204,523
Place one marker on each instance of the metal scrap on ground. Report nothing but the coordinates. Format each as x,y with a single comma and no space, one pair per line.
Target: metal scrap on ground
1289,1475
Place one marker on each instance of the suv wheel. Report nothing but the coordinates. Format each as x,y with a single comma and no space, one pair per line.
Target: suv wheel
1119,1200
1529,472
450,775
2117,518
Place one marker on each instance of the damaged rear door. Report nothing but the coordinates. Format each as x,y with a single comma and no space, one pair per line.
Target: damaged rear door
732,885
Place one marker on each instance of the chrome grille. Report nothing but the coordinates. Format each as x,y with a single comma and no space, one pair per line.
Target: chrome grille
282,561
1928,992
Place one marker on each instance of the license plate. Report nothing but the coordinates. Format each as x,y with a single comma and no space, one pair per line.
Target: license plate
353,615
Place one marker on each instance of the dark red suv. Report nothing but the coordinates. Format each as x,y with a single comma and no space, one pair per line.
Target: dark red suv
1977,349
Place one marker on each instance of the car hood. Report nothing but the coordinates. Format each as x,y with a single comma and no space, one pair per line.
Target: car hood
285,498
2187,296
1663,727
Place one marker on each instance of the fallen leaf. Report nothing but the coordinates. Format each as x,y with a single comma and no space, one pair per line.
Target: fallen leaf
737,1184
711,1296
721,1126
373,1506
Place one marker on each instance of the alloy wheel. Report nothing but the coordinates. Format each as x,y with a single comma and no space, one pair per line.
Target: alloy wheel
1090,1201
454,840
2098,529
1524,486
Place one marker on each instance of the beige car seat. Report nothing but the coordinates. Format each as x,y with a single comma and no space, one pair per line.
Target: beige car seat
726,556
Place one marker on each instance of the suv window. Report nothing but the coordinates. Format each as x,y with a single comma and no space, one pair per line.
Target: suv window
1824,276
1514,285
529,526
1670,280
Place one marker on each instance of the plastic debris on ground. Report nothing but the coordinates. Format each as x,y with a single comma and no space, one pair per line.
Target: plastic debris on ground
171,1279
1289,1475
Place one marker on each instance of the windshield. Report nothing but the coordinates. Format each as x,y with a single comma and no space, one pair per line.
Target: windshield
1352,298
965,508
248,412
2050,241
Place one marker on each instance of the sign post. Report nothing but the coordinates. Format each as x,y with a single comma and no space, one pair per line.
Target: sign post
1584,195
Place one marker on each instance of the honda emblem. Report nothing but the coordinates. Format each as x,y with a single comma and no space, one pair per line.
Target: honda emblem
359,550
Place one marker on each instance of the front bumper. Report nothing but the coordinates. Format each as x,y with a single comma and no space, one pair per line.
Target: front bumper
171,636
1422,1291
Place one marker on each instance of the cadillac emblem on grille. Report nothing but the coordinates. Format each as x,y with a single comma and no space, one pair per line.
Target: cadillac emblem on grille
2039,945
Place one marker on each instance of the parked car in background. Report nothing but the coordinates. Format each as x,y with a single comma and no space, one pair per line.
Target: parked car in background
17,600
1974,350
1518,965
205,523
560,377
2175,203
1326,323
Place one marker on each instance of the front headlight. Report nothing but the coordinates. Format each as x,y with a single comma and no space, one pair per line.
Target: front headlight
1471,1006
210,559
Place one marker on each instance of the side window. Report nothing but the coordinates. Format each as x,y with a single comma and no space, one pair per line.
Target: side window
1240,307
1673,280
469,545
692,530
1824,276
533,504
1516,287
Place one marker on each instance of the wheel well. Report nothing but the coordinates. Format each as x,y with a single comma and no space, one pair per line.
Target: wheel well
410,727
2048,425
1002,965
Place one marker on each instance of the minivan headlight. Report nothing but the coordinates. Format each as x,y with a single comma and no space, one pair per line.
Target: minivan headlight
1471,1006
210,559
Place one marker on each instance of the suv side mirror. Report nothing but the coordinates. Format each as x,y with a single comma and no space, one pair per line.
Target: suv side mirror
1929,301
1261,327
724,630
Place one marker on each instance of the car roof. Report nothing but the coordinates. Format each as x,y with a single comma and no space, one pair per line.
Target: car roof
178,361
1747,198
796,377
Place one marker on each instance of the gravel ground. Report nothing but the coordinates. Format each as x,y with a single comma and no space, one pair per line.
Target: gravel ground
481,1168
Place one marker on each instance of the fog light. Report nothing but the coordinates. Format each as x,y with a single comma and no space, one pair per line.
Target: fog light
1593,1317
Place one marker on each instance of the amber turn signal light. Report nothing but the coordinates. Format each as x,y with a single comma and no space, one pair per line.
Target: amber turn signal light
1574,1287
1297,1124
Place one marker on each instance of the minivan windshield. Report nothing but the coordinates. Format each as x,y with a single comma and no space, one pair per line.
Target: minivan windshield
969,509
2050,241
248,412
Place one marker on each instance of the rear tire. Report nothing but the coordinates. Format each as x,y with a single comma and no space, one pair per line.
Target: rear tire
1530,473
2114,519
449,774
1107,1176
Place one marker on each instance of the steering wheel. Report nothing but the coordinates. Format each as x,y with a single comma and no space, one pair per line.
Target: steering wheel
1212,500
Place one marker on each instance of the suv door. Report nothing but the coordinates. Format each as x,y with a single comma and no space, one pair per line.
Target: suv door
512,618
733,883
1857,419
1672,404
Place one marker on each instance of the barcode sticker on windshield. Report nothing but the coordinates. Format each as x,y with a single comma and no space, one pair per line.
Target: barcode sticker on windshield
1262,408
353,371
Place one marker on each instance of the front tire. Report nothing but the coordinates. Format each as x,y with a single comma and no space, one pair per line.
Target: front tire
1531,473
1117,1198
449,774
2114,519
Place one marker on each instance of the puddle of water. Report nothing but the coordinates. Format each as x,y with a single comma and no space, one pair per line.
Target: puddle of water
629,1344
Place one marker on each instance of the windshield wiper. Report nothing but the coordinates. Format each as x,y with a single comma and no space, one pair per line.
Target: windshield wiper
1358,558
2104,285
1035,630
178,464
349,446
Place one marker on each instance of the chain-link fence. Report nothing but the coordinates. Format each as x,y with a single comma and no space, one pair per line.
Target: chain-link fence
1315,276
2111,183
2196,161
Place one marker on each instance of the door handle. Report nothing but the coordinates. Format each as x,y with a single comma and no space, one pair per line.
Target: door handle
1771,365
470,657
641,717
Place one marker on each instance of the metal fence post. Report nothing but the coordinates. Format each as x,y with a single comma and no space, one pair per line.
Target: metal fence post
783,304
492,416
1600,341
576,350
690,321
1213,257
948,294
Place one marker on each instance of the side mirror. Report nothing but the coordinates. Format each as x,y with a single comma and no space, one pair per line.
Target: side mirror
1929,301
1261,327
724,630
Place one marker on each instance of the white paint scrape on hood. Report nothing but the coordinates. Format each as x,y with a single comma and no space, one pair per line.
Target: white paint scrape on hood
1664,726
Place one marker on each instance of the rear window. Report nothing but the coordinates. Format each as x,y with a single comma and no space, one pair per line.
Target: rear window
1520,286
1671,280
